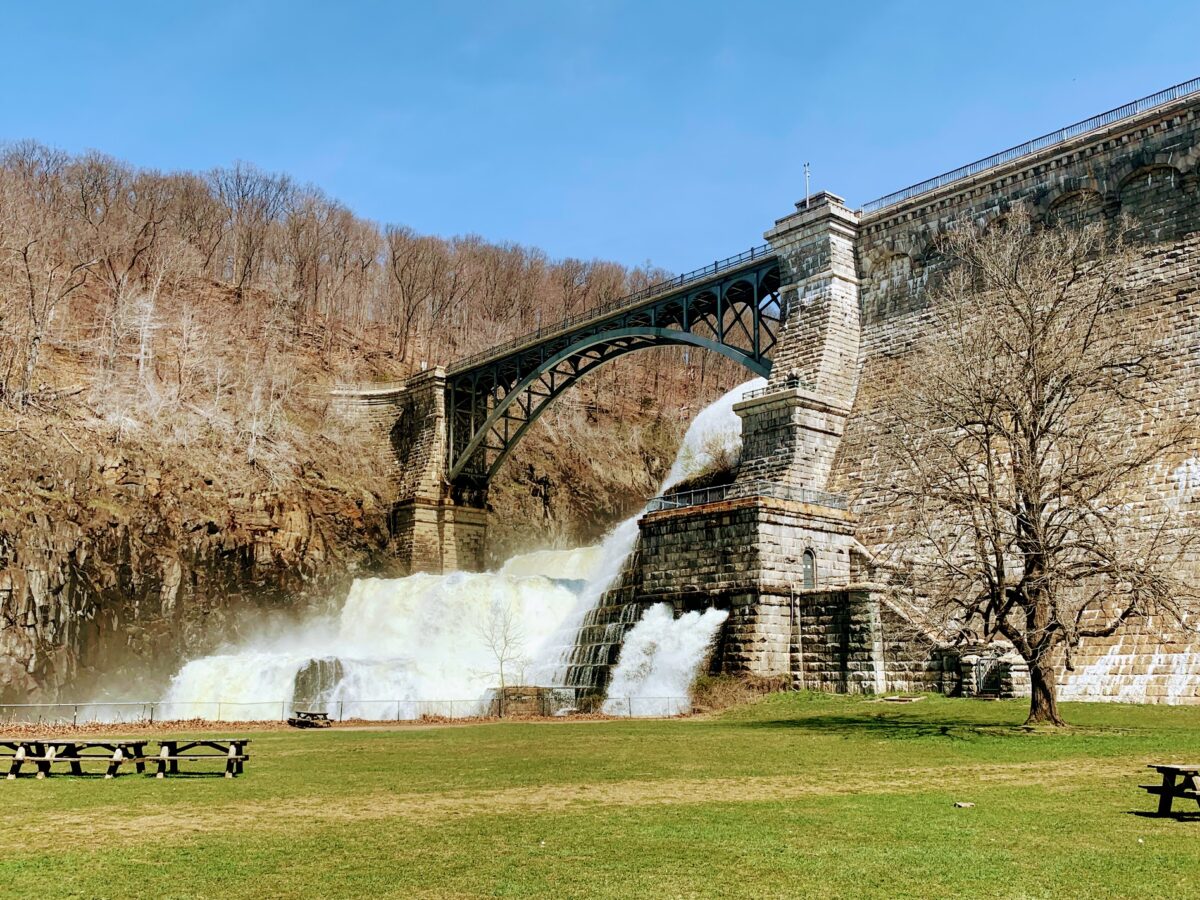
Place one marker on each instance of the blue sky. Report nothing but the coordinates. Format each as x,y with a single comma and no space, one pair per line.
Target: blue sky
637,131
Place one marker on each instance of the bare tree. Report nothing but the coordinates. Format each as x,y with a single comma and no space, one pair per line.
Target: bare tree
504,637
253,201
410,262
1021,444
197,216
42,263
119,214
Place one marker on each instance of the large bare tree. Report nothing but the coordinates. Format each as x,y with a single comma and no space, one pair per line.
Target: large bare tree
1022,444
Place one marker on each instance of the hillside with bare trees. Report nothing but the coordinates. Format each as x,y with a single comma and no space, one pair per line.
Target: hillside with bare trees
167,344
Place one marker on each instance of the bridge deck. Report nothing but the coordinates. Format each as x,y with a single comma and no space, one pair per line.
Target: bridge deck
618,307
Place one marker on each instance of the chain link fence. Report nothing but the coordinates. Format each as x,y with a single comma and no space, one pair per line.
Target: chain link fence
512,703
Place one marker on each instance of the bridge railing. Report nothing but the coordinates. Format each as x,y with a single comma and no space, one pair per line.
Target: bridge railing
599,312
700,496
1039,143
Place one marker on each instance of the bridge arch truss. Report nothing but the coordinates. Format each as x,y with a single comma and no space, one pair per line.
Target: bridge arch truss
492,402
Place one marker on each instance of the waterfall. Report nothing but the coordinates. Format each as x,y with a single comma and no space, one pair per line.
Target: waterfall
435,644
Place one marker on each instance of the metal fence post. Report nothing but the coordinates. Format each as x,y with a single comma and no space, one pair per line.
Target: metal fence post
341,711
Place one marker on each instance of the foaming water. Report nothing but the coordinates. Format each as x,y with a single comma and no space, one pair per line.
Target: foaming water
401,648
659,661
1131,671
428,644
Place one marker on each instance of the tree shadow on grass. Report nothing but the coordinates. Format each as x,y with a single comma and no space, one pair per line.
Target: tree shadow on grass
893,728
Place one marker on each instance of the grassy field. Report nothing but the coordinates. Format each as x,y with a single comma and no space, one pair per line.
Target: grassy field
796,795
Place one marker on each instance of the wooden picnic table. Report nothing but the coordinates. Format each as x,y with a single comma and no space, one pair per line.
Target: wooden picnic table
45,752
1177,781
309,719
173,751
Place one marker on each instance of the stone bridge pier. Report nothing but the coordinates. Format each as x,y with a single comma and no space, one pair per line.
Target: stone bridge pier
432,531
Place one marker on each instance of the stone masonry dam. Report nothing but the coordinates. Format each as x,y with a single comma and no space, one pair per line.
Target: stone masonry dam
828,310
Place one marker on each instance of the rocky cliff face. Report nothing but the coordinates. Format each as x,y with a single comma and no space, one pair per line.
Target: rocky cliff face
117,563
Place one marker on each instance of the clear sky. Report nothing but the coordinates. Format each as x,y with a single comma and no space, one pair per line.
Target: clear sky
670,132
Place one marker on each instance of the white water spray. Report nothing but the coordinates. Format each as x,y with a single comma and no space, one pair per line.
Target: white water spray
659,661
427,644
716,429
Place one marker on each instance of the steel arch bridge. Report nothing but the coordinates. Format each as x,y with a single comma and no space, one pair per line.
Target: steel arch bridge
732,307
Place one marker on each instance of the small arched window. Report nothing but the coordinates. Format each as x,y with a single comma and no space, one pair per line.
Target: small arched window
808,569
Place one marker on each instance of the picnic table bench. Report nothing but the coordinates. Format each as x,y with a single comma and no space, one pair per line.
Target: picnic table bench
172,752
1177,781
306,719
45,752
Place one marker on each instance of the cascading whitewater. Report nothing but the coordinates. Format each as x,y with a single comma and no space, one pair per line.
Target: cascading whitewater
403,647
1136,669
427,644
715,430
659,659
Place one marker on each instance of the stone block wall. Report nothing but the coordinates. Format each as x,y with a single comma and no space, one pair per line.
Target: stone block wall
838,642
913,661
819,340
792,433
379,407
1145,168
439,537
1149,661
741,545
789,438
745,556
418,437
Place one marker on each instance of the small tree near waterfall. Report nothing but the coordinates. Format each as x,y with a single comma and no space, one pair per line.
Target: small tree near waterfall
504,637
1022,443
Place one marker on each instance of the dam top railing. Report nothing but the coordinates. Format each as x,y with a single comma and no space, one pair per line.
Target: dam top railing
700,496
790,383
629,300
1127,111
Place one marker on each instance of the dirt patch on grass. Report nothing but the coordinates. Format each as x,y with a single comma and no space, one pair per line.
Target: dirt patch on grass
131,825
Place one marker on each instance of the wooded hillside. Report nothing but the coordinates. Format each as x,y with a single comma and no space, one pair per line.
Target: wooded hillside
167,342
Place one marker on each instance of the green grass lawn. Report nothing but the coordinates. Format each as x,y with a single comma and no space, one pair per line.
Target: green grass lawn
796,795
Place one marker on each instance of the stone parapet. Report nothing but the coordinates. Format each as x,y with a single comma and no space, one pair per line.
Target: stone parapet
378,407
